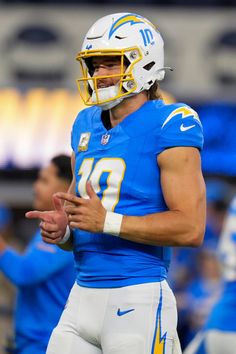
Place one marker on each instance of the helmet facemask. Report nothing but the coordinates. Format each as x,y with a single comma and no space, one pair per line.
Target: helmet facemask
107,97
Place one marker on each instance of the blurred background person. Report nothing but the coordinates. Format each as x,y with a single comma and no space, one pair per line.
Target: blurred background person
7,293
43,274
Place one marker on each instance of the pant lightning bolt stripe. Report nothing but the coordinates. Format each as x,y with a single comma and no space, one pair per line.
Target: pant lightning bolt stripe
158,344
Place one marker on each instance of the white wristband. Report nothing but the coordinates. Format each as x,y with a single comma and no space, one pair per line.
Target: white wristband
112,224
66,236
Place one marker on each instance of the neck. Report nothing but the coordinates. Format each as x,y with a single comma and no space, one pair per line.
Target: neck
126,107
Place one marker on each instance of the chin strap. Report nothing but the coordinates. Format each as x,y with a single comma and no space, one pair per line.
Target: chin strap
111,104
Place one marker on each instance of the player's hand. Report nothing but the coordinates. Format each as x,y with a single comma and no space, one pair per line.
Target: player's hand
53,223
84,214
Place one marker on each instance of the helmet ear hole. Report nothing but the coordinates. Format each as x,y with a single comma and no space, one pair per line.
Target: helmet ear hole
149,66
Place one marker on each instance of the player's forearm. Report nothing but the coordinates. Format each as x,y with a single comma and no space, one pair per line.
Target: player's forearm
170,228
11,266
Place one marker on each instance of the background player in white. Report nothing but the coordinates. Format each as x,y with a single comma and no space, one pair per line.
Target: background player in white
137,189
219,334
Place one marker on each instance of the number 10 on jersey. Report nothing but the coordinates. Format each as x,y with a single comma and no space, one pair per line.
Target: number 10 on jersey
115,167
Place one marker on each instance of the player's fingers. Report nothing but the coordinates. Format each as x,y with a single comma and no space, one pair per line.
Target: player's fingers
46,226
90,190
57,203
75,218
49,240
74,225
78,225
70,198
35,214
51,235
72,209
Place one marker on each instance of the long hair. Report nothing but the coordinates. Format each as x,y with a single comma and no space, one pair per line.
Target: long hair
154,93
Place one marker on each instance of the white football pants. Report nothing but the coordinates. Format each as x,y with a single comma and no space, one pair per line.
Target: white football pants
219,342
215,342
138,319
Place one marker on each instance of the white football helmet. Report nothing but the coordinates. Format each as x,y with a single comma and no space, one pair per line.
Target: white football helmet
141,50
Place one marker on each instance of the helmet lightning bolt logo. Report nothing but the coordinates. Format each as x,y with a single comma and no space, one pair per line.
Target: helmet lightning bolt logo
130,18
159,341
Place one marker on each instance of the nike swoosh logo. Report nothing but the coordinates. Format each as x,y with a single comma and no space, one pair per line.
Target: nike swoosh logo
183,128
122,313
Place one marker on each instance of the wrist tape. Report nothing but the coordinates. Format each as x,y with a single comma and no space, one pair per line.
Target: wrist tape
112,224
66,236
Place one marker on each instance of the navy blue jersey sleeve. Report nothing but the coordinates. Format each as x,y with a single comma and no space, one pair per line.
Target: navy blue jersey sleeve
181,127
37,264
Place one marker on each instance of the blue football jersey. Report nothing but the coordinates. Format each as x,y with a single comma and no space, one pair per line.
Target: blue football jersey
121,164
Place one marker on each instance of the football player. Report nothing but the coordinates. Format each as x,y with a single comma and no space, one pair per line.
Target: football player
137,190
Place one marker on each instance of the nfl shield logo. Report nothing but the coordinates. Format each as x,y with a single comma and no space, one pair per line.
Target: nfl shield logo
105,139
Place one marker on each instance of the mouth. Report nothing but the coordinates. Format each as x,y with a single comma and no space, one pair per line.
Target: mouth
102,85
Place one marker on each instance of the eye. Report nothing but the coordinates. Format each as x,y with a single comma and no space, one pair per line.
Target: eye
111,65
